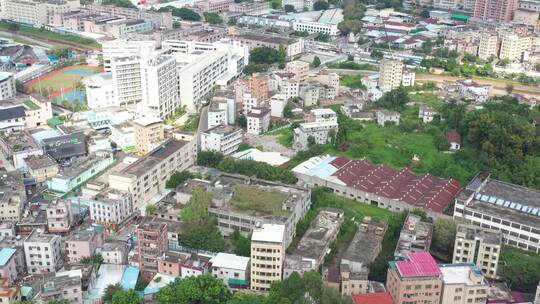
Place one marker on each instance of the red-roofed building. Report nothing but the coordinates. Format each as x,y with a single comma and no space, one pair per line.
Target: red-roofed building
418,280
454,139
373,298
380,185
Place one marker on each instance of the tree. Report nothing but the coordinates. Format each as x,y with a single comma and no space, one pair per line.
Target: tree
287,111
504,62
232,21
521,268
350,57
316,62
265,55
425,13
320,5
242,121
203,289
212,18
509,88
427,46
126,297
150,209
177,25
444,235
13,27
289,8
58,302
95,259
376,54
178,178
348,26
242,244
209,159
183,13
311,141
110,290
394,100
247,298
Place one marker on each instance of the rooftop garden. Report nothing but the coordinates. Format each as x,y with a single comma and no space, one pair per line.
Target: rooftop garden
256,201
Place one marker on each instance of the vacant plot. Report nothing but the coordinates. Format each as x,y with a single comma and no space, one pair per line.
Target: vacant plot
257,201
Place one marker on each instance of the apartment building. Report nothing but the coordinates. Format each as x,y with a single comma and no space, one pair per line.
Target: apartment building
494,10
313,92
293,46
9,294
364,248
328,79
41,168
59,216
417,280
8,264
209,6
123,135
146,177
7,85
126,76
267,256
62,287
285,84
513,46
319,131
258,86
223,138
462,284
160,20
108,207
114,253
42,252
249,102
488,46
390,74
37,12
121,48
299,69
82,244
415,236
258,121
511,209
152,243
12,197
315,243
250,8
149,133
479,246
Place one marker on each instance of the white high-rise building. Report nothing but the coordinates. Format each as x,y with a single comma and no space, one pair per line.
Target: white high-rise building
159,86
7,85
126,75
124,48
42,252
201,66
488,46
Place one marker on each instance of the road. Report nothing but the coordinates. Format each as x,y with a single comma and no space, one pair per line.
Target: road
499,86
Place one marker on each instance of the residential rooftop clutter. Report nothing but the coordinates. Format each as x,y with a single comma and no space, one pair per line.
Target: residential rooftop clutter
364,248
379,184
415,236
314,245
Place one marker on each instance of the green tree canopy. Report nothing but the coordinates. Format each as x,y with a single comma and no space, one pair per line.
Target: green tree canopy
184,13
320,5
126,297
316,62
212,18
110,290
203,289
394,100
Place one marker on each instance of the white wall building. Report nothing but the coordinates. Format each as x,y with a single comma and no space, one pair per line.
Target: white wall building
258,121
42,252
224,139
230,268
123,135
7,85
109,208
125,48
100,91
277,105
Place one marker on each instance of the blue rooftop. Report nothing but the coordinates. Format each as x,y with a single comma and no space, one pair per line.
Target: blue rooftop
5,255
129,279
324,169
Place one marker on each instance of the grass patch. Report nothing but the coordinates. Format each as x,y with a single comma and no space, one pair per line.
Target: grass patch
428,99
42,32
255,201
352,81
285,137
31,105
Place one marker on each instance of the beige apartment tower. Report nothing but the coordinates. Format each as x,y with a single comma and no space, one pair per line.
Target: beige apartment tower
390,74
513,46
149,134
488,46
267,256
478,246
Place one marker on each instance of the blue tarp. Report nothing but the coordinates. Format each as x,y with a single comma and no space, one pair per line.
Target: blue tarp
129,278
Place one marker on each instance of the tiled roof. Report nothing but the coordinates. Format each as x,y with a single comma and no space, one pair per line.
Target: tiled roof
373,298
423,191
453,137
420,264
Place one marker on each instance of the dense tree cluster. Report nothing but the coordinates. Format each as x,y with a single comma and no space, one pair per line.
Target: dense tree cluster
184,13
261,58
245,167
206,289
178,178
320,5
212,18
395,100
